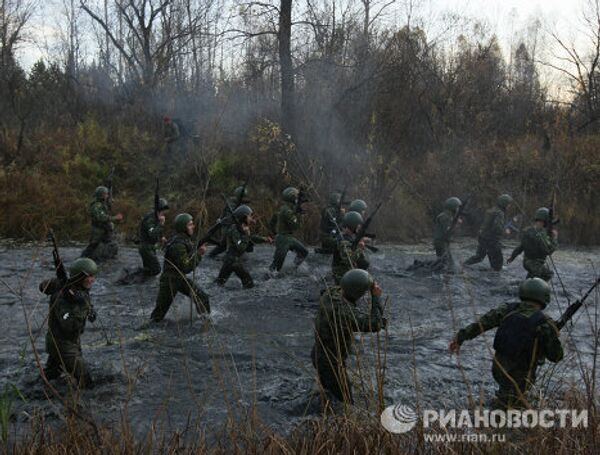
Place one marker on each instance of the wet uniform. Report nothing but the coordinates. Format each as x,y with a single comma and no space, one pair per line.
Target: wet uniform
537,246
102,245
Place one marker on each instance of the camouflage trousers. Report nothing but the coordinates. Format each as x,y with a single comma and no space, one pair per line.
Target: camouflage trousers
234,264
66,356
513,385
490,248
283,244
150,262
537,268
332,375
102,245
169,287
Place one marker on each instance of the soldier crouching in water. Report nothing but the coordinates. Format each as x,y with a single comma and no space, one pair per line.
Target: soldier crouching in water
102,244
239,240
336,321
180,259
524,339
70,308
490,234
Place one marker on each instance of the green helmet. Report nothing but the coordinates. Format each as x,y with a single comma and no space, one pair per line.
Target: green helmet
83,265
542,214
535,289
357,205
452,204
242,211
181,222
290,194
240,193
334,198
352,220
504,200
100,191
163,204
355,283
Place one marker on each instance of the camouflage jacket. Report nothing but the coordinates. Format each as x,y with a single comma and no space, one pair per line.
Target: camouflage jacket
69,310
440,228
535,243
288,221
100,215
345,258
151,230
547,334
493,225
238,242
330,217
180,256
338,319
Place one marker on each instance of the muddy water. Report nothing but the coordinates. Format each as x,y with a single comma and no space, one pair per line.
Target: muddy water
255,353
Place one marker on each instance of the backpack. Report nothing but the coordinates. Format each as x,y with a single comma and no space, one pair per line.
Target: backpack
517,334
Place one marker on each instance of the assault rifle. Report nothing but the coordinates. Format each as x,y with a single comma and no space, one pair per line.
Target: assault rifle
574,307
362,232
342,202
240,200
301,199
156,200
551,220
61,272
109,184
459,213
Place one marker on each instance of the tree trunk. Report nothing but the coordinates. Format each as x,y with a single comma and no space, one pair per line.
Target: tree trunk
288,107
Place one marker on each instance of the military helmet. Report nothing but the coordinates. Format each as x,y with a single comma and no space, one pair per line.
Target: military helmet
334,198
504,200
355,283
352,220
290,194
452,204
100,191
242,211
357,205
542,214
241,192
83,265
163,204
181,222
535,289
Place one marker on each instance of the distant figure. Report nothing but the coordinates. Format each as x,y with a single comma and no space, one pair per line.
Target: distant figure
239,239
171,133
524,339
288,221
331,216
102,245
537,246
490,234
336,322
70,308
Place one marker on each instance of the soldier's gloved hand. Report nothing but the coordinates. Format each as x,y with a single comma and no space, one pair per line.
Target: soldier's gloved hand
92,315
454,347
376,291
509,260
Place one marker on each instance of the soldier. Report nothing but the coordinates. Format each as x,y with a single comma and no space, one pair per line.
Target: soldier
180,259
288,221
336,321
490,234
171,131
344,257
525,337
239,240
234,201
537,245
70,308
358,205
102,245
151,232
330,217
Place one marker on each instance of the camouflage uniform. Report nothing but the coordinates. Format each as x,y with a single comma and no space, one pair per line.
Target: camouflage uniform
516,360
171,135
489,239
237,244
537,246
345,258
102,245
151,231
69,311
335,324
221,246
180,259
329,227
287,222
